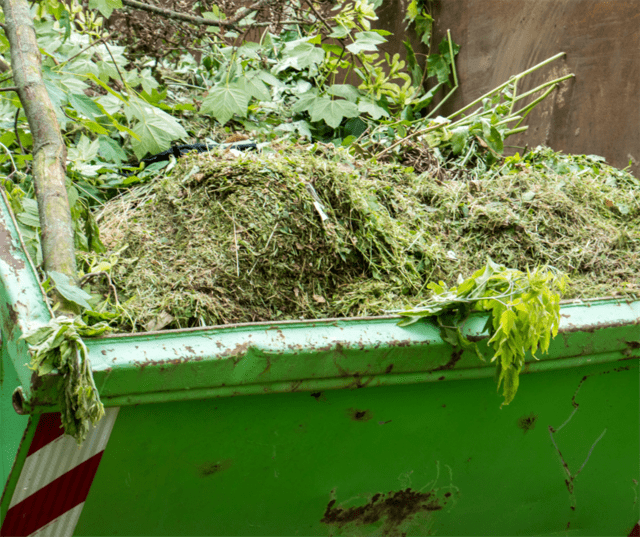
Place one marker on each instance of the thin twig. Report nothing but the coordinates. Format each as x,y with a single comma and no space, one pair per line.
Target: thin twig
320,17
15,128
229,23
174,15
124,84
101,40
9,88
87,277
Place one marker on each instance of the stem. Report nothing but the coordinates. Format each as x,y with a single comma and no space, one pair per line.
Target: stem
501,86
525,111
538,88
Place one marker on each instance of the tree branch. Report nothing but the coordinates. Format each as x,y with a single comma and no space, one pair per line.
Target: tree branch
174,15
49,150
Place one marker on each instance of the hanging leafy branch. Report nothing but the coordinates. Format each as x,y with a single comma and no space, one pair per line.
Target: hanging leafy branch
524,313
58,348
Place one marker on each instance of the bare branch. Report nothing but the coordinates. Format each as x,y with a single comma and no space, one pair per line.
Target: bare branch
49,150
175,15
9,88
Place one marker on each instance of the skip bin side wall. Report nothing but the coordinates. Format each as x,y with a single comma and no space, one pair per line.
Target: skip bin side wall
432,458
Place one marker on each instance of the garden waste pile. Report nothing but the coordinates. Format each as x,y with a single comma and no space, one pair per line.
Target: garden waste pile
308,232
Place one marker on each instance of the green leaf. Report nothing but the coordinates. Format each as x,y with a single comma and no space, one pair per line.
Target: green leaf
347,91
424,26
371,108
339,32
301,54
426,99
443,47
332,112
70,291
111,150
105,7
492,136
459,137
225,101
155,129
438,67
366,41
523,316
84,105
305,102
253,86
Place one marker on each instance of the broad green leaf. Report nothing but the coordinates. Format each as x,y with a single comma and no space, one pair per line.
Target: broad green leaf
492,136
304,103
105,7
268,78
332,112
155,129
371,108
334,49
443,47
225,101
301,127
425,100
111,150
253,86
459,137
347,91
438,67
424,25
366,42
70,291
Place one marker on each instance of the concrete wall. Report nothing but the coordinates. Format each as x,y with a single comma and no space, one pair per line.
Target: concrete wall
598,112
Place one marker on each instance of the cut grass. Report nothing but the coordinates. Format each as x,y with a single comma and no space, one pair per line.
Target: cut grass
310,232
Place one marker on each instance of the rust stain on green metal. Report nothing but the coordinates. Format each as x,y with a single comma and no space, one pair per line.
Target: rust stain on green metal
393,509
210,468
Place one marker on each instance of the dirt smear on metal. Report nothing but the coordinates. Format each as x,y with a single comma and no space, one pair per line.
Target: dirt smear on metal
394,509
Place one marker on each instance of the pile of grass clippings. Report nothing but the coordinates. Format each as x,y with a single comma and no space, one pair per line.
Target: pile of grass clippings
310,232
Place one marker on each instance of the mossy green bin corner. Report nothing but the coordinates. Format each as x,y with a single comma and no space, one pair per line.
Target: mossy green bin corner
345,427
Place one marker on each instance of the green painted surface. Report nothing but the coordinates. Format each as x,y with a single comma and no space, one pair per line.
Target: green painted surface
270,464
12,425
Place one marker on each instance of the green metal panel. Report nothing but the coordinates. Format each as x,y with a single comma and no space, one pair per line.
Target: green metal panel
437,458
12,425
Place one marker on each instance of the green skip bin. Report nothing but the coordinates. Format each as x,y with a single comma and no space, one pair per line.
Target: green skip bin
351,426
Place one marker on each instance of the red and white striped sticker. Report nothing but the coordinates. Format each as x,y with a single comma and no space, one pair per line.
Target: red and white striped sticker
55,479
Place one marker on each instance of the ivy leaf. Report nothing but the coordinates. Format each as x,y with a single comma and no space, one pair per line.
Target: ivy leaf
366,41
70,291
332,112
225,101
